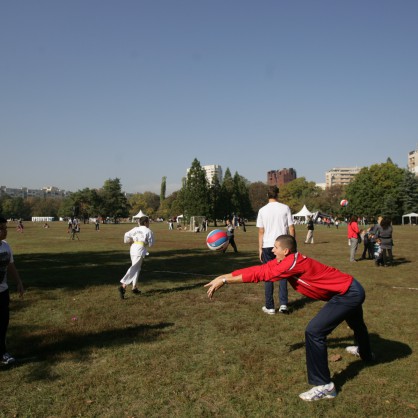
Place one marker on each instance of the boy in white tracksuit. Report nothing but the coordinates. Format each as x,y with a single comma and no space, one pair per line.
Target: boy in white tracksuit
139,237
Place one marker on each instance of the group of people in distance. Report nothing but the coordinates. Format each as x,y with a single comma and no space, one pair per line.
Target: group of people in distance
377,241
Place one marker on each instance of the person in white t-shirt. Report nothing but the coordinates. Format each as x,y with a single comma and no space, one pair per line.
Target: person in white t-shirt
7,267
140,238
273,219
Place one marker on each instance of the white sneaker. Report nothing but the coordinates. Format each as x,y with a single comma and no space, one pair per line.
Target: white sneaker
268,311
353,349
7,359
319,392
283,309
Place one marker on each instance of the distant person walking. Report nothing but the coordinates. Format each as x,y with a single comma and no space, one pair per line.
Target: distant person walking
309,236
273,219
20,226
75,229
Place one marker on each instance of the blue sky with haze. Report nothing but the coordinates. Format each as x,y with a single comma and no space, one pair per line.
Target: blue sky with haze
92,90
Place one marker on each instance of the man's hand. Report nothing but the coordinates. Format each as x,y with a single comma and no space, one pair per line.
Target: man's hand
214,285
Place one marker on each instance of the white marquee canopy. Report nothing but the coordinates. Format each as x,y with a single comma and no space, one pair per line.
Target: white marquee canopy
410,216
140,214
303,213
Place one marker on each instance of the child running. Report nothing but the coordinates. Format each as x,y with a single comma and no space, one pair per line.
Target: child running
139,237
345,297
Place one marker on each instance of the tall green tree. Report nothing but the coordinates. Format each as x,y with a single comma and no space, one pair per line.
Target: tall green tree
327,201
148,202
409,193
48,206
242,198
86,203
167,208
227,194
257,193
178,205
163,189
297,193
15,208
114,203
195,192
215,201
376,190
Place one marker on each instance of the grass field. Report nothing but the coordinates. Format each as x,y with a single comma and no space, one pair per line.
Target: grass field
171,352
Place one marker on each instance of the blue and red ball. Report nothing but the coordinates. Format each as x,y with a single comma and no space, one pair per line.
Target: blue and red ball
217,240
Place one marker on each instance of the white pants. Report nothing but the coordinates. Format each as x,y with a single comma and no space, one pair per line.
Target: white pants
132,274
309,237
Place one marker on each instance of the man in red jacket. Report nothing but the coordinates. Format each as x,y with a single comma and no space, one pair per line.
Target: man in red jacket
344,295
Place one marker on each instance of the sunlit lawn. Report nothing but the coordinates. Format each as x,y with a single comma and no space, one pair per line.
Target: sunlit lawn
173,353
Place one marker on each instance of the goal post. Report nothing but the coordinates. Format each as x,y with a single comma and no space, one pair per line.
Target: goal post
197,223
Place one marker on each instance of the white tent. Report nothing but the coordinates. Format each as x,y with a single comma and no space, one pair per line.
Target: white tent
140,214
303,213
410,216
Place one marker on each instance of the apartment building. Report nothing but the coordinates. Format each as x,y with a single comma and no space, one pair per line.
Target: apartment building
212,171
340,176
413,162
24,192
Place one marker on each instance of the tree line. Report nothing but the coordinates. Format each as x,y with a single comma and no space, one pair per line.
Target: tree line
381,189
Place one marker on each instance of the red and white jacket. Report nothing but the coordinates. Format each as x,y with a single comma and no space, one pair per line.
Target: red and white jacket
307,276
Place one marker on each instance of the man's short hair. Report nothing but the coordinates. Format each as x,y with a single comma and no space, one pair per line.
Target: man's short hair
273,192
3,220
287,241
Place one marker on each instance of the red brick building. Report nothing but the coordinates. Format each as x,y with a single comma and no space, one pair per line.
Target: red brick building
280,177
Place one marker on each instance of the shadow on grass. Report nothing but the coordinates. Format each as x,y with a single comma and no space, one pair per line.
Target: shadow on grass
80,346
399,261
300,303
85,269
386,351
394,263
303,245
173,289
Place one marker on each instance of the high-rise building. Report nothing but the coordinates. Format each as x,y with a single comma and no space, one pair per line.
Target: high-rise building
280,177
340,176
413,162
212,171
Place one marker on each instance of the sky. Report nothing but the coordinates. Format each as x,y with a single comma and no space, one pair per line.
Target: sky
92,90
